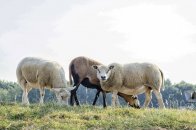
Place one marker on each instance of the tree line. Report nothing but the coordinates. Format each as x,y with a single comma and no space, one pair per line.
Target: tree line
173,94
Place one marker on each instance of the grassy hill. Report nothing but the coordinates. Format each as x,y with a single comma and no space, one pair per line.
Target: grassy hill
51,116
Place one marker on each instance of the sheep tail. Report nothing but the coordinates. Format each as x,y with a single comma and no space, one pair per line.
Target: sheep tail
70,77
163,80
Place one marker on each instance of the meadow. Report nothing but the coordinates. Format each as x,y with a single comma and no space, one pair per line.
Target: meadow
52,116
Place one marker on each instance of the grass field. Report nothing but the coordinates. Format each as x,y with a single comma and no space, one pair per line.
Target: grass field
51,116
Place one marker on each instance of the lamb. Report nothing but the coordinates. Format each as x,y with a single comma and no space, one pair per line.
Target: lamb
39,73
132,79
81,70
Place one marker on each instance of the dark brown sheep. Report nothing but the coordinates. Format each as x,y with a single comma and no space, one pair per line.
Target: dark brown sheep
80,69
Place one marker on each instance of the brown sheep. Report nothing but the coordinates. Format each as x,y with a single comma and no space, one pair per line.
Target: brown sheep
132,79
81,70
39,73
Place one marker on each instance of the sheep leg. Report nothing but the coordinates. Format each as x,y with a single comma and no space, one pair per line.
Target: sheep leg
148,97
59,99
96,97
104,97
159,98
25,100
42,93
73,95
76,99
114,97
24,85
66,101
117,101
71,98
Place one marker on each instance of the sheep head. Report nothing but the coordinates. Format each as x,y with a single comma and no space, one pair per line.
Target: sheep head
134,102
62,94
103,72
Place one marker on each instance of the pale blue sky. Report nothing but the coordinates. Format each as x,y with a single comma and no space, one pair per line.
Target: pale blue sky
161,32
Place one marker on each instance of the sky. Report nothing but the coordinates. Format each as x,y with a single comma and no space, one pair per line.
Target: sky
125,31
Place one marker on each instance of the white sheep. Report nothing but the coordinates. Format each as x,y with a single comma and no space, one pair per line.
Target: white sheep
39,73
132,79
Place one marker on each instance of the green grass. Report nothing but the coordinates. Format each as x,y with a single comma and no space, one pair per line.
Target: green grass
51,116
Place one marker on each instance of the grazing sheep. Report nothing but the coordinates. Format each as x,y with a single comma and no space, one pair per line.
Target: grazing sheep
81,70
39,73
132,79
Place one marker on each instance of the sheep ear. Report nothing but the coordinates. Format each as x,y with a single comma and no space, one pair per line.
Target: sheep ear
111,67
94,67
134,97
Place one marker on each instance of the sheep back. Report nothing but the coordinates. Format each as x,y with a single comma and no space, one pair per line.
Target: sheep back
81,67
138,74
42,72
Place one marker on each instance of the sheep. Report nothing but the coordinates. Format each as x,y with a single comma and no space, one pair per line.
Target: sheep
132,79
38,73
80,69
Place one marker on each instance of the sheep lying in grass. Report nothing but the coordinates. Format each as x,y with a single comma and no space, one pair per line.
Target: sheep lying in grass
38,73
81,70
132,79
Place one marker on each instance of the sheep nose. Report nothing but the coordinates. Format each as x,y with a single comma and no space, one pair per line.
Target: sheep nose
103,77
